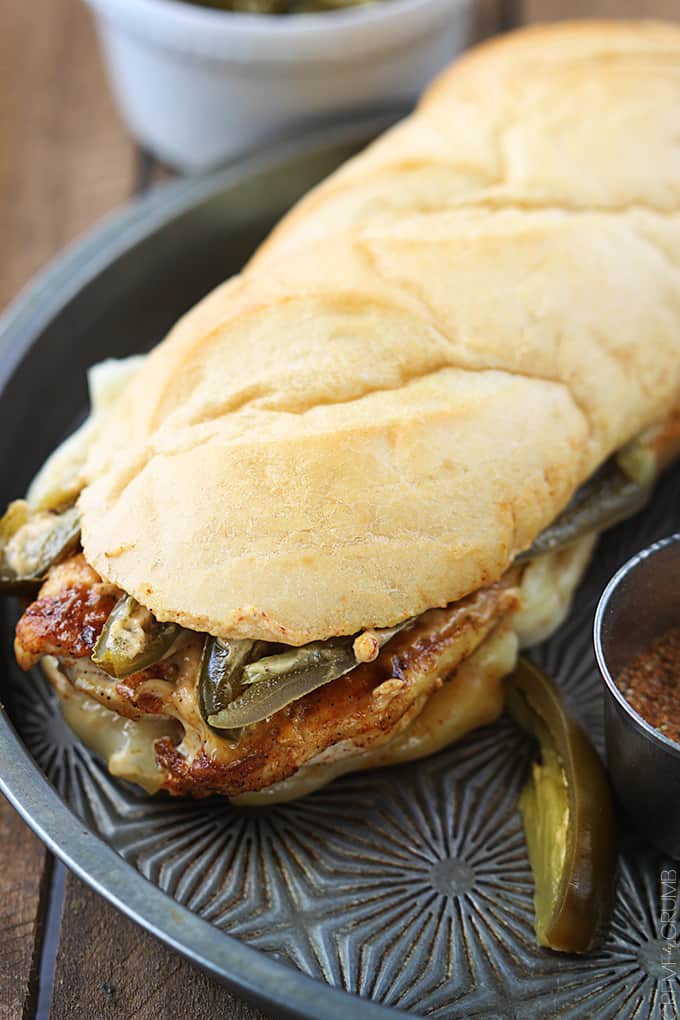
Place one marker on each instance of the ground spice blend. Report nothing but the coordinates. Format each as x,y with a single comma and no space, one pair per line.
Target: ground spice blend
651,684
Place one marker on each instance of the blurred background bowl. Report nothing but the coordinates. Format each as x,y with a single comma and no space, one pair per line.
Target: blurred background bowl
197,86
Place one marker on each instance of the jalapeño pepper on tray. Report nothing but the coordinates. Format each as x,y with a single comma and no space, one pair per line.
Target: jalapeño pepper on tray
568,818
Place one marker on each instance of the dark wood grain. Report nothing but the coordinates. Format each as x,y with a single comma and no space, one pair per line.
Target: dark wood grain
553,10
65,159
109,968
24,880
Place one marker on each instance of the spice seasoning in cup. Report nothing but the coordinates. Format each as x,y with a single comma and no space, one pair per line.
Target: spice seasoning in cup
651,684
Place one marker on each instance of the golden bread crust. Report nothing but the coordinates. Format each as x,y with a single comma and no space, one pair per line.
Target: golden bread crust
423,362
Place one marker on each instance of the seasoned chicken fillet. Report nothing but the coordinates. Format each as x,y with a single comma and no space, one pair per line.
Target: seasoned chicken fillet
365,708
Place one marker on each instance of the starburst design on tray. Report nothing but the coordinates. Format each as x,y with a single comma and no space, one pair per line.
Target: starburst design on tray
644,948
402,872
50,741
638,968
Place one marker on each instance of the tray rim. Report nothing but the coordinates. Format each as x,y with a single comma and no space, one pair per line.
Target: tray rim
248,971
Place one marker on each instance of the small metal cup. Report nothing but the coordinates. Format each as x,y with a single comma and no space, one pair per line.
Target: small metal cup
640,603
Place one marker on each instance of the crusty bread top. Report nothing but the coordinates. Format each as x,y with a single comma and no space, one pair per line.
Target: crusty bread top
424,361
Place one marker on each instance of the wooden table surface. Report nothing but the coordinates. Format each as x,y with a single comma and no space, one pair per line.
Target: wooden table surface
65,161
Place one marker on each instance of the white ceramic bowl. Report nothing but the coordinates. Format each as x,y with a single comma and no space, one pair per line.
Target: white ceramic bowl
198,86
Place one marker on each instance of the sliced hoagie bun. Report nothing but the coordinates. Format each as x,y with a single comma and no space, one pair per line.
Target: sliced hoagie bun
433,351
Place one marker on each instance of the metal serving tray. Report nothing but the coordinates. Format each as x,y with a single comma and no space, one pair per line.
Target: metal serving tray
406,889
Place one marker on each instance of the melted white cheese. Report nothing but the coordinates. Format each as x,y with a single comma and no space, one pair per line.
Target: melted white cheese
64,469
547,588
126,745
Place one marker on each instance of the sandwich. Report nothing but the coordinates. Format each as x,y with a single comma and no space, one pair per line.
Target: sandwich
308,533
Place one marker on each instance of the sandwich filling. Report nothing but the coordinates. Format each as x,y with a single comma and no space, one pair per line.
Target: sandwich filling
433,682
364,708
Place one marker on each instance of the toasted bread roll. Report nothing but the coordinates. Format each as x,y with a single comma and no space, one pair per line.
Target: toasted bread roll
424,362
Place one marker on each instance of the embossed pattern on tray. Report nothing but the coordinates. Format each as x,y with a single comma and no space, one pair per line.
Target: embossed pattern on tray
410,885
